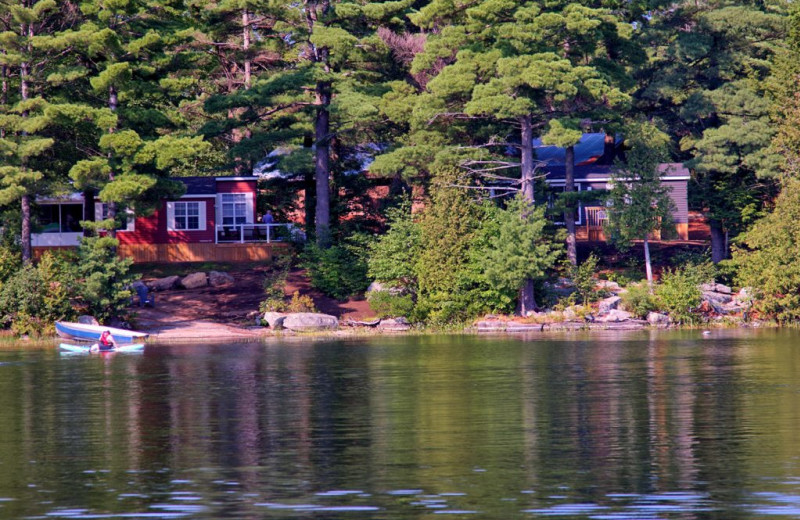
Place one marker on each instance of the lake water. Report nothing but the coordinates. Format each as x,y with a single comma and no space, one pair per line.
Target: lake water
644,425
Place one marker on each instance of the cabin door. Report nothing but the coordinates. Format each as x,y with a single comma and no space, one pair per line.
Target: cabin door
596,218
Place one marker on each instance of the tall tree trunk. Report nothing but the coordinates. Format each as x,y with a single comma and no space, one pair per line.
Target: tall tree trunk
113,104
25,206
309,202
526,162
647,266
26,229
527,302
569,209
719,251
3,90
527,295
88,210
246,46
322,167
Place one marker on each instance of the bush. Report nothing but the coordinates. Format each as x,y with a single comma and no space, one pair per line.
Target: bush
338,271
393,256
679,294
105,279
275,279
386,304
298,303
302,303
583,278
10,262
638,300
36,296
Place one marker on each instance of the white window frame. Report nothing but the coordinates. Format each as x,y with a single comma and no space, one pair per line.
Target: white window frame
101,213
172,219
241,201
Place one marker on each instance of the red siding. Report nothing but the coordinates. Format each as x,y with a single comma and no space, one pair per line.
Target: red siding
153,229
236,186
248,186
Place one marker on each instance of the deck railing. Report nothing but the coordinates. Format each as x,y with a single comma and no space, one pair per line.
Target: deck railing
246,233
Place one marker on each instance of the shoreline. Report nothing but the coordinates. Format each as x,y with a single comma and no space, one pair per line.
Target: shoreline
202,330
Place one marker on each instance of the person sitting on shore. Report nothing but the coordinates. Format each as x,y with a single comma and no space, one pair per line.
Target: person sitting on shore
107,342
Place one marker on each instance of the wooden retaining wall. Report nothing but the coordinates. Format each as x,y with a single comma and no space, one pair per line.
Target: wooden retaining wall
250,252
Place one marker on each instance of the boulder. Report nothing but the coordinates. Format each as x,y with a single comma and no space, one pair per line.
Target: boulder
608,304
164,284
376,287
275,319
715,297
724,289
194,281
394,324
489,325
608,285
570,314
656,318
218,279
88,320
708,287
615,315
310,321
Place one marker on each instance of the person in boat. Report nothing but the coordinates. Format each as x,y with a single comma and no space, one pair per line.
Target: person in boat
106,342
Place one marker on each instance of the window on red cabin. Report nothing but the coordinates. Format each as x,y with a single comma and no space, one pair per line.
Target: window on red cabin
187,215
234,209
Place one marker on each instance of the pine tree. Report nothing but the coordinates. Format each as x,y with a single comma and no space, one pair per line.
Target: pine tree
706,79
316,100
502,73
34,39
640,203
127,52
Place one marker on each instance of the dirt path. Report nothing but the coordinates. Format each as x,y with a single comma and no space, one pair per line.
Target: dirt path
229,312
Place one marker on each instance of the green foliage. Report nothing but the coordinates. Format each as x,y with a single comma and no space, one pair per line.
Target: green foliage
10,262
767,257
35,296
393,256
338,271
638,300
298,303
275,279
449,284
519,249
387,304
583,278
640,203
679,295
104,278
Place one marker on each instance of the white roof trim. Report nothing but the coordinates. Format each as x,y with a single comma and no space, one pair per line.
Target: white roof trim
200,196
607,179
247,178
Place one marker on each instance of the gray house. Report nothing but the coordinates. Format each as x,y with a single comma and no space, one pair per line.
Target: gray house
594,157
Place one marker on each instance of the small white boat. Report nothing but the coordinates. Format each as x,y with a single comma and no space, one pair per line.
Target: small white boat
84,332
85,349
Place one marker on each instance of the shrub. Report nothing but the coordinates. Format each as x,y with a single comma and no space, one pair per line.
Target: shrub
105,278
10,262
583,278
766,257
338,271
679,294
34,297
638,300
386,304
275,279
393,256
300,303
